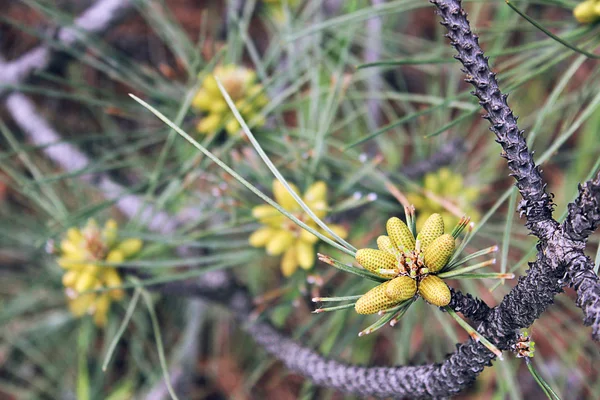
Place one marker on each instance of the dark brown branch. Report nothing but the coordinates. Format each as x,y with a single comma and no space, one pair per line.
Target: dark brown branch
582,220
584,213
471,307
584,280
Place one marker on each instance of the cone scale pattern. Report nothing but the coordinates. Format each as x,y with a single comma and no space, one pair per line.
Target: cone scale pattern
407,266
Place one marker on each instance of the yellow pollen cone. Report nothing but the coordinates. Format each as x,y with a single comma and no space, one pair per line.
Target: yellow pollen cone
232,126
280,242
435,291
109,232
262,236
74,235
400,235
401,288
317,192
306,236
85,281
111,277
201,100
305,253
289,262
101,305
209,124
374,300
130,247
432,229
80,305
69,278
438,253
385,244
115,256
374,260
585,12
283,197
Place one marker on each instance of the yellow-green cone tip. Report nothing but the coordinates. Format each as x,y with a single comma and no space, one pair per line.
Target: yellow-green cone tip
400,235
401,288
374,260
385,244
374,300
432,229
435,291
438,253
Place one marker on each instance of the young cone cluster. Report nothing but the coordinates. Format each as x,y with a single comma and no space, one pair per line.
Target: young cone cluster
409,264
447,186
248,96
82,252
279,235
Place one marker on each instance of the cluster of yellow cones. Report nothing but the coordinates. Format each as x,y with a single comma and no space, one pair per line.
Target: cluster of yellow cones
280,236
409,264
242,86
83,253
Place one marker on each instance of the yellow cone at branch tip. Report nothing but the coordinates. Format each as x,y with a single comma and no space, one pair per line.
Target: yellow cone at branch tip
208,124
81,304
69,278
115,256
586,12
317,192
111,278
264,212
130,247
262,236
401,288
102,305
306,254
306,236
280,242
85,281
438,253
432,229
435,291
73,235
289,262
400,235
281,237
374,300
385,244
84,253
283,197
110,232
373,260
232,126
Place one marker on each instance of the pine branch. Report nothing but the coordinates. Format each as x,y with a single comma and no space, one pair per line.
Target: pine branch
584,213
584,280
471,307
536,204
